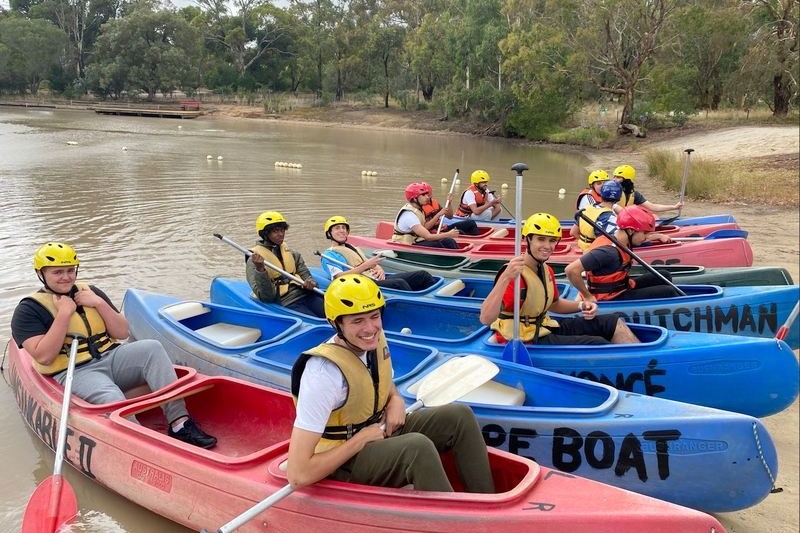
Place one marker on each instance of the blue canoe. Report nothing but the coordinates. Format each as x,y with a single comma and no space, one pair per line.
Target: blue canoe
747,375
699,457
751,311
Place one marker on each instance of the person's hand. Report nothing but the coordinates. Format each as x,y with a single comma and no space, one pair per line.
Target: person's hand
679,205
373,261
309,284
380,274
258,262
452,233
497,200
87,298
589,308
395,416
64,304
659,237
514,267
370,433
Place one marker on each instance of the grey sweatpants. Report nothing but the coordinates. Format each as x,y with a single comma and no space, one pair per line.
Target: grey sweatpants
125,367
411,455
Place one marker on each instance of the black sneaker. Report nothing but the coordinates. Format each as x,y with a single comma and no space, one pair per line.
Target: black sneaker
193,435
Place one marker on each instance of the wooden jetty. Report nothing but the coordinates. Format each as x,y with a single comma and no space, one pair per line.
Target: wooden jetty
186,109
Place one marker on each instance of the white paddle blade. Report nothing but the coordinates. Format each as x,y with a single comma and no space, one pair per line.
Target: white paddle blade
455,378
385,253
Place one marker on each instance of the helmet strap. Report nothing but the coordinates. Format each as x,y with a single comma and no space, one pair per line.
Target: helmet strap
40,275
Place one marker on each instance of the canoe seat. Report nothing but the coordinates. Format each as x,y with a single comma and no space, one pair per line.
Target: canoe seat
495,393
499,234
185,310
452,288
229,334
491,393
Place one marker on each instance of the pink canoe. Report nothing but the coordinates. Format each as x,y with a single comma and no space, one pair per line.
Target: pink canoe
708,252
208,488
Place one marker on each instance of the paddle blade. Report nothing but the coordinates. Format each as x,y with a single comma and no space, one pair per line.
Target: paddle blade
51,506
455,378
516,352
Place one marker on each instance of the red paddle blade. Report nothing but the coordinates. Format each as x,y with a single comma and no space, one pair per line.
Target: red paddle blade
52,505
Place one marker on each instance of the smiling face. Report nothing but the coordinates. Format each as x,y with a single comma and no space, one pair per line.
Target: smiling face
60,279
339,232
541,247
362,330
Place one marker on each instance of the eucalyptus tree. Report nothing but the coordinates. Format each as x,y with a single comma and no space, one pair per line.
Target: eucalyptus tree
147,51
31,49
385,35
773,55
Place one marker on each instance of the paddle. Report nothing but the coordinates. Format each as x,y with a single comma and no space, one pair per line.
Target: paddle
53,503
515,349
447,203
718,234
685,177
279,270
628,251
783,331
444,384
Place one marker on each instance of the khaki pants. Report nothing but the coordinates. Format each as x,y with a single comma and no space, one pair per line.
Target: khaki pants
411,455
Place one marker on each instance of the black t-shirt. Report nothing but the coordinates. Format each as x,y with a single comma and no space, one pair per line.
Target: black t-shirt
31,319
602,260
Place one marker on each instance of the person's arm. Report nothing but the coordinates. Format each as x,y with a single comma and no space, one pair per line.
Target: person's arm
493,304
258,277
492,202
574,272
116,323
660,208
45,348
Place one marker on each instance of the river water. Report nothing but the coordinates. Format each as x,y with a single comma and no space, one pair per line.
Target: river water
141,198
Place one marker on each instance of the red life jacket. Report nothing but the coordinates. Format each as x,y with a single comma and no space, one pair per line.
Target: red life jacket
609,286
464,210
588,191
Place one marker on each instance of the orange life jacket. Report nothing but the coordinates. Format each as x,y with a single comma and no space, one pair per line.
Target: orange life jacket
609,286
464,210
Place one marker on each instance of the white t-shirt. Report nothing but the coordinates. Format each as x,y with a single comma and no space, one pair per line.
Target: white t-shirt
407,221
469,199
322,389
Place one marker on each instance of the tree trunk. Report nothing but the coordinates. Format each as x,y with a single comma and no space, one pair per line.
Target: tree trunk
627,108
781,96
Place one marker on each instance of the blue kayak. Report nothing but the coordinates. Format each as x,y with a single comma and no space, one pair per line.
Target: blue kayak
751,311
747,375
696,456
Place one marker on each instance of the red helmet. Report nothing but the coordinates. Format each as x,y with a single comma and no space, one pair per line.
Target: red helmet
636,218
413,190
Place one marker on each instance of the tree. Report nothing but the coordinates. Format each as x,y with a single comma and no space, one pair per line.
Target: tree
32,49
774,52
147,51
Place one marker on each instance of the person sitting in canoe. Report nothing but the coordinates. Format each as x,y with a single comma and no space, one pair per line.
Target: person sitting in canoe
341,253
590,196
608,267
602,214
268,284
105,368
539,294
351,423
477,201
434,213
409,224
625,175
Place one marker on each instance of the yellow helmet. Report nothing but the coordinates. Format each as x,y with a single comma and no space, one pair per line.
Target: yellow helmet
542,224
55,254
598,175
625,172
333,221
352,294
479,176
269,218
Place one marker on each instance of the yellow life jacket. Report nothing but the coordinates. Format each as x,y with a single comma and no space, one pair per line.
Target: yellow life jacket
532,310
587,231
287,264
368,392
353,256
407,238
94,338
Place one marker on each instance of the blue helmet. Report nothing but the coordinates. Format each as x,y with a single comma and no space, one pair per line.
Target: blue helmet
611,191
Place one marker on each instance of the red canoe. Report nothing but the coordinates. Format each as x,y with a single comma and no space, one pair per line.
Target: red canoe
207,488
729,252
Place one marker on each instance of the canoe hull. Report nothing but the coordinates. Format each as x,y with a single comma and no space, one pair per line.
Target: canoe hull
205,488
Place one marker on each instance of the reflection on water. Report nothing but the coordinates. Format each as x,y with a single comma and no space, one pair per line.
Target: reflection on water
140,200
